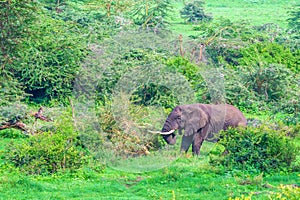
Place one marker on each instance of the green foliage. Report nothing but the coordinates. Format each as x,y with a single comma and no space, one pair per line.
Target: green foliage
91,18
10,88
263,84
125,55
192,73
50,58
223,39
42,55
269,82
42,47
194,12
15,16
266,52
123,134
14,112
291,192
13,134
48,152
126,60
152,94
261,149
235,43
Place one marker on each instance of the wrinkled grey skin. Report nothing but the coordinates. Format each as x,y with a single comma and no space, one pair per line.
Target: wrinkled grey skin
200,122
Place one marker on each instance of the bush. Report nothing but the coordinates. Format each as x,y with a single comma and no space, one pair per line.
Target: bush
126,132
50,59
267,52
261,85
12,134
49,152
260,149
291,192
194,12
193,75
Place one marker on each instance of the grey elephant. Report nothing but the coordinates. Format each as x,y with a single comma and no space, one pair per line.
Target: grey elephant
200,122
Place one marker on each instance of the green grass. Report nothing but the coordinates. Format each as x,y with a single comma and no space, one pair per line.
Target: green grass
255,12
187,177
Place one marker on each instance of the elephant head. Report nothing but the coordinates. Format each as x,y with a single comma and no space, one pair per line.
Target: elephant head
189,118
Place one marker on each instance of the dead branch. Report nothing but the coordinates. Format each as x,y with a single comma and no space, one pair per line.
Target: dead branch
14,124
18,124
39,115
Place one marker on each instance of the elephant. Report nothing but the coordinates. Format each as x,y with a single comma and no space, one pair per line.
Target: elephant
200,122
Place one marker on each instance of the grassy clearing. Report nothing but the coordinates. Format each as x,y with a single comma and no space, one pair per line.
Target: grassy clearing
187,177
255,12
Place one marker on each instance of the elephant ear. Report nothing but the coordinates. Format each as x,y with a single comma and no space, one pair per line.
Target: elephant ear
196,119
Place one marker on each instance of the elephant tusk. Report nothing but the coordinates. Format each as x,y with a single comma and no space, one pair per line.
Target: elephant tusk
162,133
167,133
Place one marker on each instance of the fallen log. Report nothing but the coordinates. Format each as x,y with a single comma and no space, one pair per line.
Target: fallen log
16,123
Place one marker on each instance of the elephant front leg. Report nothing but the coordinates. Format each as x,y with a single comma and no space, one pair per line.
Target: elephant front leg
186,143
198,140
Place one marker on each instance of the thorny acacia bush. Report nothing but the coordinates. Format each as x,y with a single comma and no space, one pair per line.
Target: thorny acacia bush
261,149
127,134
48,152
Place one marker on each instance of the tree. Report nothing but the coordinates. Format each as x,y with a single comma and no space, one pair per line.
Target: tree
15,17
40,54
194,12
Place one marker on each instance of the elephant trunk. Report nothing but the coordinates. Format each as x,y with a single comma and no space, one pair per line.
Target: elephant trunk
169,138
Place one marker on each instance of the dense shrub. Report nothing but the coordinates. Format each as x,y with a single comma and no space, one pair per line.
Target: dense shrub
263,86
152,94
269,52
126,132
15,17
10,89
256,149
193,75
290,192
48,152
50,58
12,134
